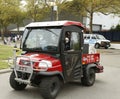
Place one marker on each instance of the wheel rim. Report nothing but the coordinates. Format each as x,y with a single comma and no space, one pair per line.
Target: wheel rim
96,45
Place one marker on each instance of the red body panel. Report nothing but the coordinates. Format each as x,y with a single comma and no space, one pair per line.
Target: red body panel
56,64
74,23
90,58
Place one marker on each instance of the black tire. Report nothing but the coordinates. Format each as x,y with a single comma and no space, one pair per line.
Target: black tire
97,45
14,84
88,78
106,47
49,87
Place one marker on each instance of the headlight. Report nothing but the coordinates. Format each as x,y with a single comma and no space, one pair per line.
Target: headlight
44,65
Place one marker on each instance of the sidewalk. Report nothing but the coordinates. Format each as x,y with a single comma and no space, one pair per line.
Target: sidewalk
5,70
115,46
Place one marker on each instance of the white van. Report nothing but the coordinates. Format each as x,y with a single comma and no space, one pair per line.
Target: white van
96,39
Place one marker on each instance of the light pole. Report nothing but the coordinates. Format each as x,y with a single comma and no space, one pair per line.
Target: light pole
52,13
54,9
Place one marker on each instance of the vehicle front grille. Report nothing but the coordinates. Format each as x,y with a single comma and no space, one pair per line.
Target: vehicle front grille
23,75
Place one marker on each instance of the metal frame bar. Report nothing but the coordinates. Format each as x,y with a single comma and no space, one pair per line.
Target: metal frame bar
16,66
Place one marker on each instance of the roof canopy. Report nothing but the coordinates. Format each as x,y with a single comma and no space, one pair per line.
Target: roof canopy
54,23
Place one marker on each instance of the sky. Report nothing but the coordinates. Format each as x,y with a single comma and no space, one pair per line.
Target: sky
107,21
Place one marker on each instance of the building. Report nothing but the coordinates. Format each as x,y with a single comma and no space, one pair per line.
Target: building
106,21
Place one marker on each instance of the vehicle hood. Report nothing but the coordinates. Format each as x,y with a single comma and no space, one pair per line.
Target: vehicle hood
105,40
39,57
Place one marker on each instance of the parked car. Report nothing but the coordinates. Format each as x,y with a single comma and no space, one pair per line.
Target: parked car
96,39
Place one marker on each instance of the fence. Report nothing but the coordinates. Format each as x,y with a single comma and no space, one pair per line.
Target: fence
111,35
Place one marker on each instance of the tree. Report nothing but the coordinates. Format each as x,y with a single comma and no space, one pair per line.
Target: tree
68,10
7,8
36,10
116,28
92,6
18,18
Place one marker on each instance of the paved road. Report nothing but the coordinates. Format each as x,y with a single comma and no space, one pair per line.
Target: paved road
107,84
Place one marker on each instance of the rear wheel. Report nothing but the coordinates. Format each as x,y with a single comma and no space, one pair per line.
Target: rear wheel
88,78
14,84
49,87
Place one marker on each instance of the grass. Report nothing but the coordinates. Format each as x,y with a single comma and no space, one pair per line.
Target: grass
5,53
3,65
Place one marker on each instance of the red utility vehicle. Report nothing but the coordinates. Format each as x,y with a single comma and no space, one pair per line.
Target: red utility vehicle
53,54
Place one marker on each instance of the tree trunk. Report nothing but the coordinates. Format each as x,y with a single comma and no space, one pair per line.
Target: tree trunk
18,30
91,22
2,33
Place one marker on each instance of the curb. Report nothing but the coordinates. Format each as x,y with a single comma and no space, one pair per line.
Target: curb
5,71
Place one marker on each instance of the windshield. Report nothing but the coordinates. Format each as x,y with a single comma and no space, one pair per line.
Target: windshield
100,37
41,39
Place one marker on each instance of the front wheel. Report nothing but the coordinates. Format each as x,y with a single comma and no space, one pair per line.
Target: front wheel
49,87
97,45
106,47
14,84
88,78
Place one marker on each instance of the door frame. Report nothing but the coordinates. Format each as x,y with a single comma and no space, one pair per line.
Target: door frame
63,53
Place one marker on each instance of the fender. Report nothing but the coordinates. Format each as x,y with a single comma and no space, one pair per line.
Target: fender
53,73
90,66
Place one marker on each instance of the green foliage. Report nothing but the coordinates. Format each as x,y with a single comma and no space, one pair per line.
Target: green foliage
8,12
92,6
37,10
116,28
11,11
70,11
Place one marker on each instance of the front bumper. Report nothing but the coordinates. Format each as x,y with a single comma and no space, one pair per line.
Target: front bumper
105,44
35,76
